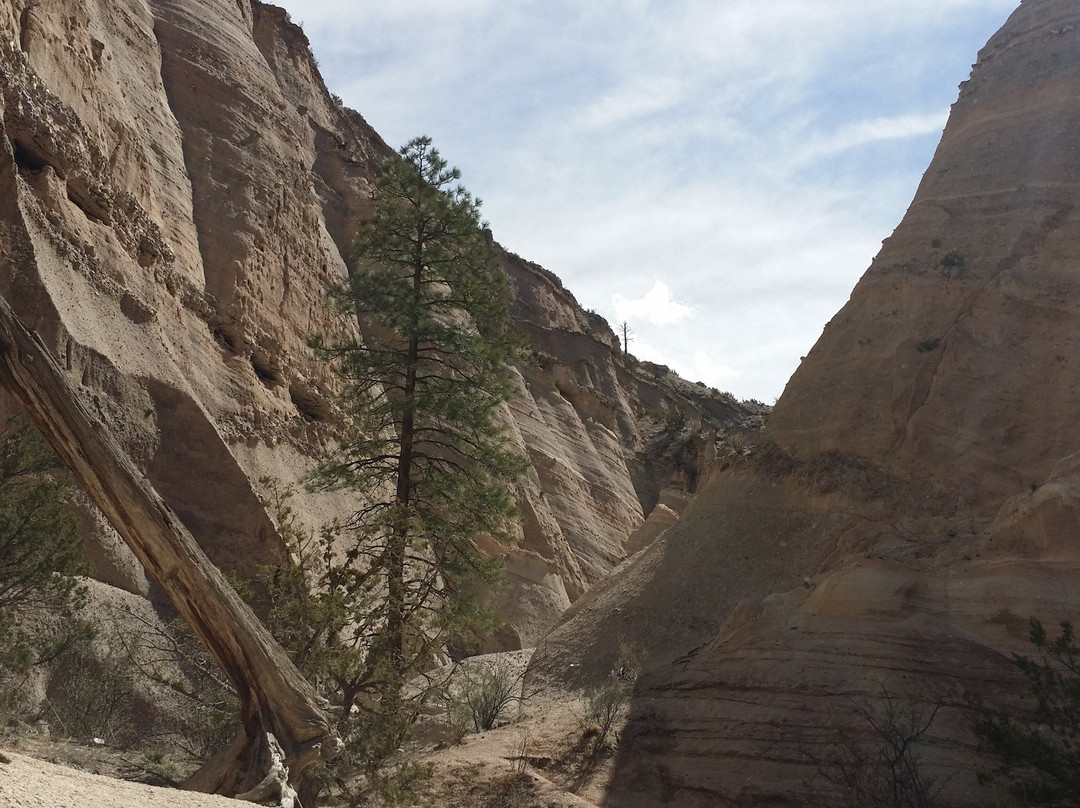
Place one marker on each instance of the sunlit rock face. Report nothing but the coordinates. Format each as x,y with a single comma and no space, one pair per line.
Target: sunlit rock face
177,190
918,497
957,354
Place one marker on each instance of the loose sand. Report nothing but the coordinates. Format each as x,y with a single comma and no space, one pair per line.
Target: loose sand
30,783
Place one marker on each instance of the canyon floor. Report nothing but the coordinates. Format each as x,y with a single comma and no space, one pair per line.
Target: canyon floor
540,755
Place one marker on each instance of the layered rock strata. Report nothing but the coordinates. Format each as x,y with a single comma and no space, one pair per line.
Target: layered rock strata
177,191
915,499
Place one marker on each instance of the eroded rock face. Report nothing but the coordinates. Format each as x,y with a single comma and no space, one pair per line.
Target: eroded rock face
177,190
917,501
957,353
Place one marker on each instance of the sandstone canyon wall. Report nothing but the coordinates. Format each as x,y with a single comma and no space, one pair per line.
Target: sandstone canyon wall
177,190
915,496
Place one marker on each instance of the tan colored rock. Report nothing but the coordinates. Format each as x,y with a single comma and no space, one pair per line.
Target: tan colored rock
177,190
955,355
919,501
655,525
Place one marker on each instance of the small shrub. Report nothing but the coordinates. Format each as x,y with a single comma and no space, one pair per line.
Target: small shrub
521,759
93,696
41,597
606,705
205,713
675,421
880,767
517,790
403,785
951,261
481,694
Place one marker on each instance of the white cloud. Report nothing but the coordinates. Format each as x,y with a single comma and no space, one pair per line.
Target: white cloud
875,130
731,150
647,96
707,370
656,307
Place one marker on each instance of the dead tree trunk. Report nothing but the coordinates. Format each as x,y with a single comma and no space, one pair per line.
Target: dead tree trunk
282,715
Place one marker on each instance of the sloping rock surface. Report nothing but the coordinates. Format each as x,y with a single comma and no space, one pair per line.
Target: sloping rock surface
177,190
915,499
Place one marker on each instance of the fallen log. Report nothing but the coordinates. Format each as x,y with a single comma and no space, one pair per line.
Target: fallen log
286,725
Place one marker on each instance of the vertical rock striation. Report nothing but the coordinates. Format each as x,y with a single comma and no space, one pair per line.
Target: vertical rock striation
177,190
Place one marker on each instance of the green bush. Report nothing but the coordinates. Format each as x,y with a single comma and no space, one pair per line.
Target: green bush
41,598
606,705
92,696
1037,745
952,260
202,713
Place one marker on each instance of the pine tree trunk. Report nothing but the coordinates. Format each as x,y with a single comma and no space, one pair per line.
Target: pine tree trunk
278,707
398,544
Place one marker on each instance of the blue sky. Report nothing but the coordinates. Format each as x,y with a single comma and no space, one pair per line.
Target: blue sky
717,173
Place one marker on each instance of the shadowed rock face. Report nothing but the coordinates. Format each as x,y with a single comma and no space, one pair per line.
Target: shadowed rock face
917,500
177,190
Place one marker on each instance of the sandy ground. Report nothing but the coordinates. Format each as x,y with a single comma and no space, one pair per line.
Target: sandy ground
29,783
486,769
472,774
535,759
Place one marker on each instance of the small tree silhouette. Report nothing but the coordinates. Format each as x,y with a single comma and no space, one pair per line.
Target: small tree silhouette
627,334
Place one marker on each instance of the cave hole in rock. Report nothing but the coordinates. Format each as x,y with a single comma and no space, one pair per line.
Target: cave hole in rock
27,159
225,338
81,202
308,402
266,370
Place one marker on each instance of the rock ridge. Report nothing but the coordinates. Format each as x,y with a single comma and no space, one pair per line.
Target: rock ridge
177,190
914,499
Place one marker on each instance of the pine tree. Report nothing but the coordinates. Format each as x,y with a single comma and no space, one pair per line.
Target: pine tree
423,384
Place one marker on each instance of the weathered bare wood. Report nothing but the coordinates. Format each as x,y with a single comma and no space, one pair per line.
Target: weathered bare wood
276,701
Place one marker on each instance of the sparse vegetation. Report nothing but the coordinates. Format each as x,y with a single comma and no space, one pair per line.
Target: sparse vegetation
41,597
879,765
517,790
1037,747
204,714
675,440
952,261
92,696
604,706
607,703
480,693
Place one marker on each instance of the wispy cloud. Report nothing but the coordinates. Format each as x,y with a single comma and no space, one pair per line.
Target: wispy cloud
874,130
722,161
643,97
